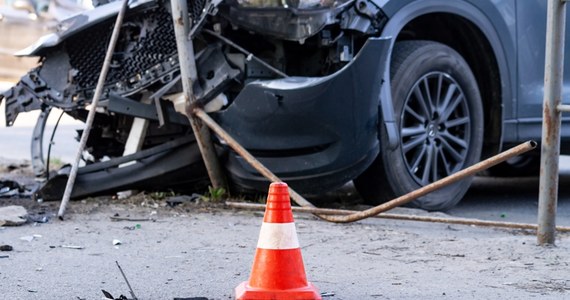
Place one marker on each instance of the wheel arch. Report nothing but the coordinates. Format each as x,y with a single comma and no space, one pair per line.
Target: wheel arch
471,33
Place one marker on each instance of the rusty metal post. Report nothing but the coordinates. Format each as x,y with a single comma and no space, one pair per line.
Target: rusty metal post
92,110
470,171
553,75
405,217
189,75
246,155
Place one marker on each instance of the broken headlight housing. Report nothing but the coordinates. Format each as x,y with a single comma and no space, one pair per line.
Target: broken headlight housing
293,20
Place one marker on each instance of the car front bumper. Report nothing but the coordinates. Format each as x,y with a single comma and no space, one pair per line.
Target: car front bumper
314,133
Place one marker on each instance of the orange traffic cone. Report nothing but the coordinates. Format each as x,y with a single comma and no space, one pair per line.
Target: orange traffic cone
278,270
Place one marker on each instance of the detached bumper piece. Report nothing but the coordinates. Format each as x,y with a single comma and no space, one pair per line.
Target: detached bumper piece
176,165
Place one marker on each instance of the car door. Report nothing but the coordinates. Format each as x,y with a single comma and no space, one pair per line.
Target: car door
531,41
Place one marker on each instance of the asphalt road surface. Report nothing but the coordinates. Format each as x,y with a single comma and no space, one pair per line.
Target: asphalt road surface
195,250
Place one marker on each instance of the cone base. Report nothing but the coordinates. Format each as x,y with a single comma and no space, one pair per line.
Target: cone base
246,292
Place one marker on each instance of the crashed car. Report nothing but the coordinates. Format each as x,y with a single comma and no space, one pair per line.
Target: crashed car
391,94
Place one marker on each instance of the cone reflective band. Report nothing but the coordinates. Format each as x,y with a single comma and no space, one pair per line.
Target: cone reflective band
278,271
278,236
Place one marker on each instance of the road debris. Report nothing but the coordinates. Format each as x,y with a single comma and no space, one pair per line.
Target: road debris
116,242
127,281
137,226
4,256
30,238
27,238
177,200
13,215
72,247
38,219
6,248
116,217
10,188
109,296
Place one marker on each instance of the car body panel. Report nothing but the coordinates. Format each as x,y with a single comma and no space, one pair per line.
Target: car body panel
531,27
329,124
517,32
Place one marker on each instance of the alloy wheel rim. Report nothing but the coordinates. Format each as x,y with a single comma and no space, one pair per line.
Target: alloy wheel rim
434,128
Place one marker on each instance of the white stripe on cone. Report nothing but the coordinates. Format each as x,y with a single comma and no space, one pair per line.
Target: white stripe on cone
278,236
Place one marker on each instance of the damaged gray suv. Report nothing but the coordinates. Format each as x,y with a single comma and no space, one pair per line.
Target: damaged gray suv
392,94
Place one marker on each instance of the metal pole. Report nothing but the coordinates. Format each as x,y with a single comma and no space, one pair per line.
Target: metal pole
563,108
92,110
424,190
247,156
553,71
189,75
447,220
470,171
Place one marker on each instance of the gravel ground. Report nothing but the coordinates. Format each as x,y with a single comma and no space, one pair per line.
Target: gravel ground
205,250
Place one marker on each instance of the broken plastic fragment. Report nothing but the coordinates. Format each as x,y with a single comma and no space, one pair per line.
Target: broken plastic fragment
27,238
9,188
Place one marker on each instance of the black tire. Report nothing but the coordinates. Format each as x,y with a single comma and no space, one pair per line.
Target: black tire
524,165
434,142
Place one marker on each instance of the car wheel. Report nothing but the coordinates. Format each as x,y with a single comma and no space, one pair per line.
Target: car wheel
440,120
